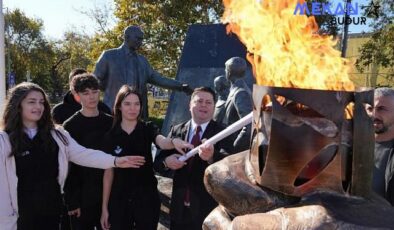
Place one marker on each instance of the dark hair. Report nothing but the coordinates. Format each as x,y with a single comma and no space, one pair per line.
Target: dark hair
204,89
12,122
123,92
76,72
81,82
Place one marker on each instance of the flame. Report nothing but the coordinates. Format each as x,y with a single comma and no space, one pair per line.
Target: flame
285,49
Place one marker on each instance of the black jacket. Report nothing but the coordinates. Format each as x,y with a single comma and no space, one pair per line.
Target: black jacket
64,110
83,186
389,177
201,203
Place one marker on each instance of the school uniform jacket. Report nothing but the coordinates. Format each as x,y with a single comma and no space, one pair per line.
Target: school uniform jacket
8,179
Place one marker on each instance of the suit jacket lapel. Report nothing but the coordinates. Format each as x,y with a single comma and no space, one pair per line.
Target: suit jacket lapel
185,130
208,131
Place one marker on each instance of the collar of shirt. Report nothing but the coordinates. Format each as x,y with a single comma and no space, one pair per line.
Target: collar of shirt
31,132
117,130
193,126
385,144
127,51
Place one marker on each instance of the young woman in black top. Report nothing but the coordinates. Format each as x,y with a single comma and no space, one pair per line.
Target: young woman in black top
130,197
34,157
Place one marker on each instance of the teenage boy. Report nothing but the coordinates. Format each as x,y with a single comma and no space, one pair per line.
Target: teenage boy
70,104
83,188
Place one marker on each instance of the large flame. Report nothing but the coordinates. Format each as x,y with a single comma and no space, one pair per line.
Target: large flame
285,49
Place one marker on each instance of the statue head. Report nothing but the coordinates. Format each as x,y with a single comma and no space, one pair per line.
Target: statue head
133,37
235,68
221,86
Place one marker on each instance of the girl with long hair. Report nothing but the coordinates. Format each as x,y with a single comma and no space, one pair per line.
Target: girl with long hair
130,196
34,156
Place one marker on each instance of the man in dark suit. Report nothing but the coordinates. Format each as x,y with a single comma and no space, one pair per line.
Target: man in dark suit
190,202
123,65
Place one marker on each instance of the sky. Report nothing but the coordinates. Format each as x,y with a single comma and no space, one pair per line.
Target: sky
62,15
59,16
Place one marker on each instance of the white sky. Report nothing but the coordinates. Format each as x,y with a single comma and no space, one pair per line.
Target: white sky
58,15
62,15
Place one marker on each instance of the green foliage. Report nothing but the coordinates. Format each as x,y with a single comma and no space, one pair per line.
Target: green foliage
324,20
157,121
380,48
164,23
27,48
100,42
48,62
72,52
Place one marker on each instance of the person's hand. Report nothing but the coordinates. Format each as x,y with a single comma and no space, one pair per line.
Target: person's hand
180,145
187,89
205,151
173,163
75,212
104,220
129,161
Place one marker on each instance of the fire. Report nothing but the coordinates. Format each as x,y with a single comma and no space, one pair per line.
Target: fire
285,49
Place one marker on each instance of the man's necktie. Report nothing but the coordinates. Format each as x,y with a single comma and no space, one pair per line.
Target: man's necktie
196,141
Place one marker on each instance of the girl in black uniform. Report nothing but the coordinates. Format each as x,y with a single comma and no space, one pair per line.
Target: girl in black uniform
34,157
130,197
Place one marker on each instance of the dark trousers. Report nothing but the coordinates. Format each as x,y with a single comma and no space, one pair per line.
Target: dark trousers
90,218
139,211
187,222
67,222
37,222
124,215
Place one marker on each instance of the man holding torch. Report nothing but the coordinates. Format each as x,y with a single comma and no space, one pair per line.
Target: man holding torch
190,202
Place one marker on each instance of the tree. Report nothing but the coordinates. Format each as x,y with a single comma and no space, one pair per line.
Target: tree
27,48
379,50
325,21
164,23
47,61
105,36
71,51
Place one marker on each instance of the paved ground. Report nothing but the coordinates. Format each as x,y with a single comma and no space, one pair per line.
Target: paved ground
165,189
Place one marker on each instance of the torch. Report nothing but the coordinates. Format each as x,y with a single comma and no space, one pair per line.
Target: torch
221,135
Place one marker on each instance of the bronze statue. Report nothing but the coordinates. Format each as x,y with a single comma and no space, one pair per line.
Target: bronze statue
221,86
123,65
239,100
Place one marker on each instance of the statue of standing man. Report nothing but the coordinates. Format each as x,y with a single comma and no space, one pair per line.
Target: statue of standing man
221,85
239,100
123,65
